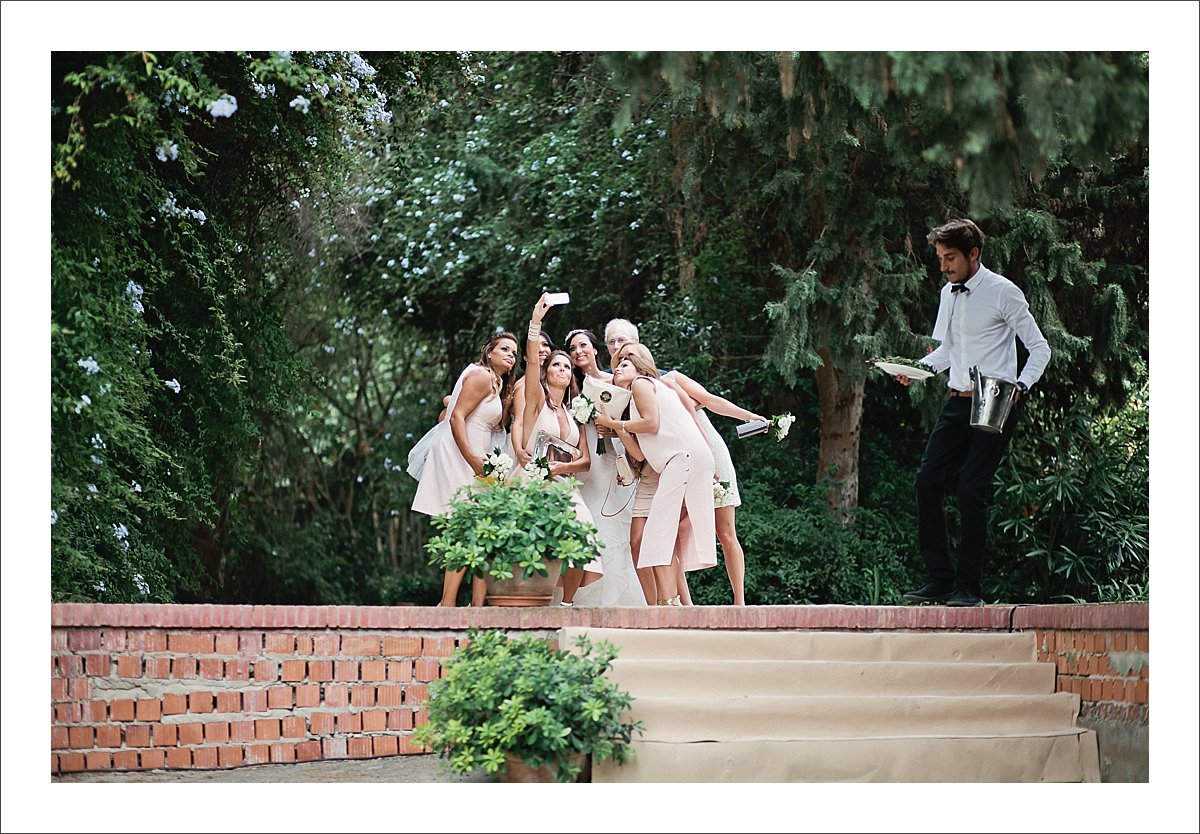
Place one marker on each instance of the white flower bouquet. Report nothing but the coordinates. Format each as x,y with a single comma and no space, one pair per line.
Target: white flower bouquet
538,469
720,491
782,424
497,465
583,409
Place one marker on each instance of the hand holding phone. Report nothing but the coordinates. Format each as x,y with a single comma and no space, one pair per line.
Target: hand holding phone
554,299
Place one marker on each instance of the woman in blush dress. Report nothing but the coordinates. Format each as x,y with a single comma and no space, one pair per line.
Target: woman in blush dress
609,502
478,404
513,446
674,447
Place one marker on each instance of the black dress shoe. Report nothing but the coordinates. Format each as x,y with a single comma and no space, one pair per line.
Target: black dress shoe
963,599
929,593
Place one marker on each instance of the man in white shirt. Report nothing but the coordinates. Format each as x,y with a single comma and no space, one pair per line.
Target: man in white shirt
979,315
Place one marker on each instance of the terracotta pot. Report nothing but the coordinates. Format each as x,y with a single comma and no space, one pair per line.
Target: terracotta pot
515,770
519,591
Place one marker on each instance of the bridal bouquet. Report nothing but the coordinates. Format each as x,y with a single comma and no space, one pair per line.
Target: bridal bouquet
583,409
782,424
720,491
497,465
538,469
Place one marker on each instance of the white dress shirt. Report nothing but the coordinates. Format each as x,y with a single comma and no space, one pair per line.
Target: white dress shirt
977,328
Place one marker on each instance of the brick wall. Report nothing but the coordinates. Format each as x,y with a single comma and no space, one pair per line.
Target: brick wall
198,686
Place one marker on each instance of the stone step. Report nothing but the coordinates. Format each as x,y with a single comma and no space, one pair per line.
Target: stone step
829,677
1069,755
699,644
707,718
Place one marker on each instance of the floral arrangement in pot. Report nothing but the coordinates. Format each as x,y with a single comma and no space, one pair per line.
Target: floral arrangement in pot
513,529
505,705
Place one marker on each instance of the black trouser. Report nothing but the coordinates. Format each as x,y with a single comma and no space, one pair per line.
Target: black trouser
955,446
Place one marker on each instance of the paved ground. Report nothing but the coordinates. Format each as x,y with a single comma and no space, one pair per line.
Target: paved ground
391,769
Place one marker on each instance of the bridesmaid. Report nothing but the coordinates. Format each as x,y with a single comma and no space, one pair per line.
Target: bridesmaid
478,404
673,445
547,404
513,446
609,503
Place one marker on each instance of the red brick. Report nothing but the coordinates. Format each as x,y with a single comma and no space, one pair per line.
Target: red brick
320,670
409,747
293,727
304,644
58,689
230,756
225,642
374,670
347,722
416,695
129,665
137,735
80,737
125,760
359,748
59,738
1118,641
229,701
1106,691
426,670
184,668
121,709
99,760
384,745
200,701
293,670
362,696
204,757
438,647
400,719
389,696
149,710
79,689
97,665
283,752
190,643
402,646
258,754
70,712
326,644
71,762
277,643
237,670
1141,693
400,670
360,644
266,671
108,735
308,696
153,759
320,723
212,668
94,712
308,751
165,735
250,644
147,641
216,732
83,639
346,670
114,639
67,666
333,748
337,696
158,667
374,721
191,733
58,640
266,729
179,757
254,700
279,697
241,730
174,703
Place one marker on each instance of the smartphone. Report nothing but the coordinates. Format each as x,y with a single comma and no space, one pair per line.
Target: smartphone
554,299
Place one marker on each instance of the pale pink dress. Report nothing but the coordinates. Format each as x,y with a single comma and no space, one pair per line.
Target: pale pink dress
684,461
548,422
445,468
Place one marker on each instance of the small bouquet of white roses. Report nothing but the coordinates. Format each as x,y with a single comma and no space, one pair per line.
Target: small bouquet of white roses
538,469
782,424
720,491
584,411
497,465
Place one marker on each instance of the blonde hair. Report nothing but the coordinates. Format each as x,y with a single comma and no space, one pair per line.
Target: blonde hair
639,356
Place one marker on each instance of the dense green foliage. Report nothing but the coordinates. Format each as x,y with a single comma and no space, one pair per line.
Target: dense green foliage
256,311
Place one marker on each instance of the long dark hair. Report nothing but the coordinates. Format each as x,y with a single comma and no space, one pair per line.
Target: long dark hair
503,384
572,388
595,344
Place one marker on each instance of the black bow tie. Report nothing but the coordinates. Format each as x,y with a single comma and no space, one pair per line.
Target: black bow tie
960,288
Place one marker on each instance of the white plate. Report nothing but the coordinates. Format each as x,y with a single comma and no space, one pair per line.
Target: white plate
910,371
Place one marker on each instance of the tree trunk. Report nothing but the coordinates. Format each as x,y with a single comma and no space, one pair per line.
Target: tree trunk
841,399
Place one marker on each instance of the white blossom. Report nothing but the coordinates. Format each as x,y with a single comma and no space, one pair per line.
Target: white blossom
167,151
300,103
173,384
225,106
120,531
135,486
53,517
142,586
97,441
90,365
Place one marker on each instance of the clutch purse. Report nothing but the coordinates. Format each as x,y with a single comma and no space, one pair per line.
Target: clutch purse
612,399
553,449
628,470
752,428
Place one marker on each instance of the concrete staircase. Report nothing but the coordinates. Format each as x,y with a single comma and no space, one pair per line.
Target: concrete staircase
755,706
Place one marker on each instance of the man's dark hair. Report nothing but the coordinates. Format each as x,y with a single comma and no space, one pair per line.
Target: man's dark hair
962,235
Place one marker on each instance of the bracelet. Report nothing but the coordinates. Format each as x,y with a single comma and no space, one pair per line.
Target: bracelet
535,330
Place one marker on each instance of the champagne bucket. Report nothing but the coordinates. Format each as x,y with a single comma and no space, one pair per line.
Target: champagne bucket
991,401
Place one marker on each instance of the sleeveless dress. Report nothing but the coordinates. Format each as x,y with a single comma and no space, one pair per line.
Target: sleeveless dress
724,461
681,456
445,469
548,422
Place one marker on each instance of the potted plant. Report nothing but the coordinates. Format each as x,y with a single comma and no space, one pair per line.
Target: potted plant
511,706
511,533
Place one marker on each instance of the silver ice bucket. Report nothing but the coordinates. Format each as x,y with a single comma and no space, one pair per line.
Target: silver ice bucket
991,401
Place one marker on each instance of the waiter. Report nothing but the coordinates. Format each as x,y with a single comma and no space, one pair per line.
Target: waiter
979,315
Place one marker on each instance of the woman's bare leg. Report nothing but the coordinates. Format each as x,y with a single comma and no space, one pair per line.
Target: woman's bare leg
735,557
645,575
